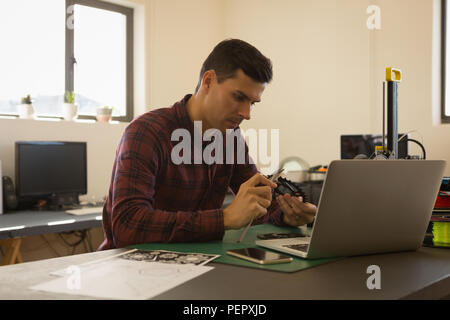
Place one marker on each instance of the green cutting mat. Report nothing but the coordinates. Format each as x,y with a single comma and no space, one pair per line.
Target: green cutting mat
230,242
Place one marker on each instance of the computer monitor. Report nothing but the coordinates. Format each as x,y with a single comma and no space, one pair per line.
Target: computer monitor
51,170
353,145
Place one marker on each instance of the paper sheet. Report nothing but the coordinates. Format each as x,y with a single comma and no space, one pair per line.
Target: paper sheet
162,256
123,279
90,264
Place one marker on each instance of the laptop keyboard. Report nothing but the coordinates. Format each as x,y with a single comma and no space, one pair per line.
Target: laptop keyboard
298,247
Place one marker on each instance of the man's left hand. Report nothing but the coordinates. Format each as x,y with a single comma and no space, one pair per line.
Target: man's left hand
295,211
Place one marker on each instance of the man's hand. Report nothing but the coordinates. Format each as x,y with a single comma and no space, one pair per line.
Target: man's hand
295,211
251,202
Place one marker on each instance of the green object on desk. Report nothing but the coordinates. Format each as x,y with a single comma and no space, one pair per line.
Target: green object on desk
230,242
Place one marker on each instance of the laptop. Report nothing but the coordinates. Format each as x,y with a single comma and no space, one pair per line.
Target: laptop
368,207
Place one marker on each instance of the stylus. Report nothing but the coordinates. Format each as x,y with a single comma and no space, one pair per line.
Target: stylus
274,177
245,231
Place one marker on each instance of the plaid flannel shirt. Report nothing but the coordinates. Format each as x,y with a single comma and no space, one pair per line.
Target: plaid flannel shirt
151,199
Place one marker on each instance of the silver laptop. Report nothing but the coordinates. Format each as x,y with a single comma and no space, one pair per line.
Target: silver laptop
368,207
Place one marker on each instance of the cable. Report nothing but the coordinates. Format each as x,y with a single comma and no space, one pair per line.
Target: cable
81,235
84,242
384,107
89,241
420,145
372,156
51,247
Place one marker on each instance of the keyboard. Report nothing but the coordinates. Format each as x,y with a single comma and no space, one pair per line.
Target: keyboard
88,210
298,247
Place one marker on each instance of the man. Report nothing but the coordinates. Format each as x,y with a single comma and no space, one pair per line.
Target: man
153,198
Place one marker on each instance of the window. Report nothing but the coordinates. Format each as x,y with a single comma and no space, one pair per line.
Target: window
85,46
32,54
99,53
445,113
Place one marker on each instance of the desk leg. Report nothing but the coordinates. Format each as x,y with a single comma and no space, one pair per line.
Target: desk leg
12,251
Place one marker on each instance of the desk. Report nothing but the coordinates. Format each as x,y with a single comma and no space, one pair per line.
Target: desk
16,225
423,274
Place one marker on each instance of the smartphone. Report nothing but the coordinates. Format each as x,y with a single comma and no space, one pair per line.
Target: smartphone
259,256
278,235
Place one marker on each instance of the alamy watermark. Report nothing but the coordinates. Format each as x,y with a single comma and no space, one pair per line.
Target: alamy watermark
374,20
70,18
234,141
374,281
74,278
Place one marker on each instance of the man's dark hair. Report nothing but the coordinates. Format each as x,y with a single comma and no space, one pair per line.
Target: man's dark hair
233,54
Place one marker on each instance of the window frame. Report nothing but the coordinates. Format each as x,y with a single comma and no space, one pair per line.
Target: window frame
70,59
444,117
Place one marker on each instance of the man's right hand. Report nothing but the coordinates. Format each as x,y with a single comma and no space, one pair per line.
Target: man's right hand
251,202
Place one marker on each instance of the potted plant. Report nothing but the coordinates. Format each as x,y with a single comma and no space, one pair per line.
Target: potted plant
26,110
104,114
70,108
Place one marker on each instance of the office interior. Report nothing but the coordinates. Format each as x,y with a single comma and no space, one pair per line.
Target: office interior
329,68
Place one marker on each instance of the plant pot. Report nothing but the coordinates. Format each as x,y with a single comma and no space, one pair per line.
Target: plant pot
104,114
70,111
26,111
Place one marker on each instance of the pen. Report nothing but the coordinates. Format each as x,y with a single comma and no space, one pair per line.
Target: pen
274,177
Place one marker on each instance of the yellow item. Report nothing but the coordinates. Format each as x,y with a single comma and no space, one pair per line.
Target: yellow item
397,74
441,233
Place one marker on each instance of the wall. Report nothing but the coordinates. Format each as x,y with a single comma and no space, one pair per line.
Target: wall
413,45
320,54
101,138
180,35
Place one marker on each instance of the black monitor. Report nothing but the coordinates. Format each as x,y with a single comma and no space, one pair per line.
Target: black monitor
353,145
55,171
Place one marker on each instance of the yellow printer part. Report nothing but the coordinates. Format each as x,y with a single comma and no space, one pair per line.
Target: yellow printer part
393,74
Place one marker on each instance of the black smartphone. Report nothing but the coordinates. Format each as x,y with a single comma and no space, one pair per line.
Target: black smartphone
259,256
278,235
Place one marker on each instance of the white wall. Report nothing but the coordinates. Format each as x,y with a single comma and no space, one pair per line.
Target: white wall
102,140
320,54
180,35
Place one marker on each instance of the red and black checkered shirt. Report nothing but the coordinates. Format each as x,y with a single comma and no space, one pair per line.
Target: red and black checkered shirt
152,199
